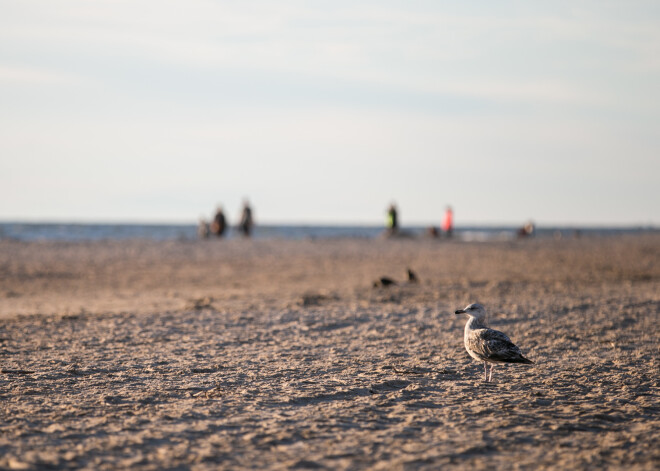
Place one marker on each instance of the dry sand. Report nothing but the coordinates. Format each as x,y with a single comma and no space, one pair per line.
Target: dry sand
281,355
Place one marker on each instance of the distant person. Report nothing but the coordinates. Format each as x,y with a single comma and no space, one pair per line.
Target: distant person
392,220
527,230
246,223
203,229
219,225
448,224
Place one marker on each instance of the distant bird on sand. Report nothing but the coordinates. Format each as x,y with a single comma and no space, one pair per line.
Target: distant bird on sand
384,281
488,345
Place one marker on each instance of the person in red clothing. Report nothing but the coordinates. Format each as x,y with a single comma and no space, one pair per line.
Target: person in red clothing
448,225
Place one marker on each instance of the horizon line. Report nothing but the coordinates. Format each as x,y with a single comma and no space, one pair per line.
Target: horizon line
271,223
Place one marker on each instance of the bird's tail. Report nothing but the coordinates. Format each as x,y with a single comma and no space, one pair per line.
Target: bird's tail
521,359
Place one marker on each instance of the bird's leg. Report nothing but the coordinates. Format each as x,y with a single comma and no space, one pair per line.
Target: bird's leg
490,376
485,371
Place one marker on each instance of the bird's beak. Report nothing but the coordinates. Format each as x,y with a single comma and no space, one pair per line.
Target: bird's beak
460,311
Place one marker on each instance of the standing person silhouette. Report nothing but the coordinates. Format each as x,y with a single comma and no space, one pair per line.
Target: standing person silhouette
219,224
392,220
246,223
448,225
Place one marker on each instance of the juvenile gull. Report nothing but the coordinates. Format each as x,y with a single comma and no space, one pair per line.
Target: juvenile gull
488,345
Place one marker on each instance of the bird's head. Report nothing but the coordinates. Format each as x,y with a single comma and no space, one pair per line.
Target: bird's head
475,310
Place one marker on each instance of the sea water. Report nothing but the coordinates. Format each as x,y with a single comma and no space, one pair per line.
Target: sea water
91,232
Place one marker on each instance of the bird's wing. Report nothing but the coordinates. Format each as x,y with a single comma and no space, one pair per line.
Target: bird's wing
494,345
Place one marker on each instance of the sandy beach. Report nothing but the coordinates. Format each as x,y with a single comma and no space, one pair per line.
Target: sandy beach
274,354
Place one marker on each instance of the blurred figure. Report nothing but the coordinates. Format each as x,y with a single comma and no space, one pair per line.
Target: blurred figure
527,230
203,229
392,220
219,225
246,223
448,224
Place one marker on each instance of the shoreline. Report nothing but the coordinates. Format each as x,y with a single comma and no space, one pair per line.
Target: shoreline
82,232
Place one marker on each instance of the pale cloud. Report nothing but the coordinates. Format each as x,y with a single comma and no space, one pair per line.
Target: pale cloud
22,75
392,46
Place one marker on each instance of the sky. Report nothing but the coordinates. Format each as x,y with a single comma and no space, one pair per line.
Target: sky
325,112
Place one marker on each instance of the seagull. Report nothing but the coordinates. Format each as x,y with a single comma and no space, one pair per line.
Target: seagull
488,345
